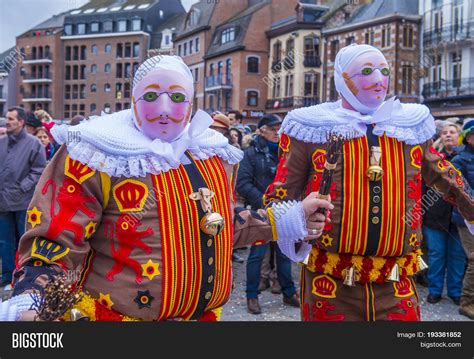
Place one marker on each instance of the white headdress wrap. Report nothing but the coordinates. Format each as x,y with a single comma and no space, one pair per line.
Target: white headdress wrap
344,57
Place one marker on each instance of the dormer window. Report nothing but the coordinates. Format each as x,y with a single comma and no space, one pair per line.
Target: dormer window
122,25
193,18
95,27
136,24
81,29
228,35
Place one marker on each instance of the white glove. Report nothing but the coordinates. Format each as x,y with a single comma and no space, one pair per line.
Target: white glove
291,228
11,309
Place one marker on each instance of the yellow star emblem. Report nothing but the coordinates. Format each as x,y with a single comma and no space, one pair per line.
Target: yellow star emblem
34,217
413,240
105,300
281,193
150,269
327,240
90,229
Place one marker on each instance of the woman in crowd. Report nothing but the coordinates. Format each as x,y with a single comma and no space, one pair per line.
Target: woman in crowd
446,256
45,138
236,137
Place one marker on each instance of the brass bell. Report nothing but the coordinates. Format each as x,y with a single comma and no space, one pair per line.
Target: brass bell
349,279
375,173
394,274
422,264
76,316
212,223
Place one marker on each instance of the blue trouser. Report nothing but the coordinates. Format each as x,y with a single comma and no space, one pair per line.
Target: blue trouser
445,253
254,265
12,227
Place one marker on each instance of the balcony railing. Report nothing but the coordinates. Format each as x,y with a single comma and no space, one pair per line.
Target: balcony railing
35,95
218,81
37,77
448,34
449,88
312,61
293,102
37,57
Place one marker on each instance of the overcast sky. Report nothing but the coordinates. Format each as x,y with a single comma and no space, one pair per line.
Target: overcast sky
17,16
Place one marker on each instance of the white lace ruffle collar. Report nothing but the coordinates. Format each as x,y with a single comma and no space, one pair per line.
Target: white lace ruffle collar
410,123
112,144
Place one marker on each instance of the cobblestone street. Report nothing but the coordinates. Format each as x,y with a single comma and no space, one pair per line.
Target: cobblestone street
273,308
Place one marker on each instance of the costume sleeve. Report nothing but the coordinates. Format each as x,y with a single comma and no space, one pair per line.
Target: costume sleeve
249,227
61,220
292,172
446,179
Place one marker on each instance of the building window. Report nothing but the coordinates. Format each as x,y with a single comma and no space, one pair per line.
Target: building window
75,72
122,25
82,92
68,53
228,70
220,68
67,92
386,41
196,42
128,70
192,19
107,68
68,29
185,49
136,24
93,69
311,51
135,68
75,53
311,85
456,58
118,91
118,70
107,88
228,35
67,75
167,39
136,49
107,108
126,90
276,52
108,26
83,52
332,90
81,29
211,69
350,40
108,48
276,87
119,50
252,98
190,47
196,74
289,86
82,74
94,49
93,107
408,36
93,88
128,50
369,37
406,79
334,49
252,65
95,27
75,92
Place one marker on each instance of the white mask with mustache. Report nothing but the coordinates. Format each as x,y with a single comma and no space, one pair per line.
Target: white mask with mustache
344,58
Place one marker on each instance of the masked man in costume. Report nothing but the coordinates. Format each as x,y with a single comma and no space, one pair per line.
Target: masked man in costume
361,268
136,209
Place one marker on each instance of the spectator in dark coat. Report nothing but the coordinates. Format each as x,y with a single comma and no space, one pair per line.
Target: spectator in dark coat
22,162
256,172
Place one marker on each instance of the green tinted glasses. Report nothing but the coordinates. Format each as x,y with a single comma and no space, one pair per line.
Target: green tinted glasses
176,97
368,70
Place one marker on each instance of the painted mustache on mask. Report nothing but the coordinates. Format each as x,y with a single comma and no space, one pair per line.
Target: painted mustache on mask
374,86
166,117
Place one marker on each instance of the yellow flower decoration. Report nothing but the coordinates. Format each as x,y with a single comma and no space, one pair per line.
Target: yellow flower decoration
327,240
34,217
281,193
90,229
150,269
105,300
413,240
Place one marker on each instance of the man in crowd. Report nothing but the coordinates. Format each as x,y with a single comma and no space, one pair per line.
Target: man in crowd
235,117
22,162
256,172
